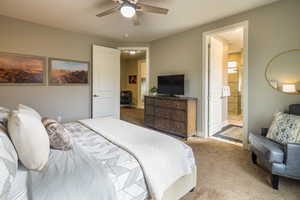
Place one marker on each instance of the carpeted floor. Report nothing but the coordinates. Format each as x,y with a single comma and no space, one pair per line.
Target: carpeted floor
225,172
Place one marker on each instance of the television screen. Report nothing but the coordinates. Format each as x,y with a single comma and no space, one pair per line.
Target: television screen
171,85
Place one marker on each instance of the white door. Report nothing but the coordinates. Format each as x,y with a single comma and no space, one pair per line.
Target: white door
106,82
142,76
215,85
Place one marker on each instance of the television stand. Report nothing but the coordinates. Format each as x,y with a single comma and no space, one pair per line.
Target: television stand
175,115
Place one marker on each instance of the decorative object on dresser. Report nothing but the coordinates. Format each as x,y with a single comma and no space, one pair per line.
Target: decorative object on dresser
153,91
174,115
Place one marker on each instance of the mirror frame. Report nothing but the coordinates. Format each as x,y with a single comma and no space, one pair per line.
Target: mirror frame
269,67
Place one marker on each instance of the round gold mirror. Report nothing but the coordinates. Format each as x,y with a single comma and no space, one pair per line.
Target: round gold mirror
283,72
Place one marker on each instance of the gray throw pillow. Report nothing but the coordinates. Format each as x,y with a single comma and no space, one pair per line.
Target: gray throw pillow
8,164
59,136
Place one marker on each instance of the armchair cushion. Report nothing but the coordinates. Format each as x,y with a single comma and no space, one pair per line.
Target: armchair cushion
271,152
285,129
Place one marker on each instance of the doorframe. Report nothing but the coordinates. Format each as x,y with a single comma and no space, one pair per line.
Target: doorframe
147,49
205,78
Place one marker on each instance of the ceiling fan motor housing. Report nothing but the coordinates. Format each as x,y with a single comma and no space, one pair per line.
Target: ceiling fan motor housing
124,1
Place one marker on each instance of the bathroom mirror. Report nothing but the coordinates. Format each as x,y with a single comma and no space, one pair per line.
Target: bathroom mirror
283,72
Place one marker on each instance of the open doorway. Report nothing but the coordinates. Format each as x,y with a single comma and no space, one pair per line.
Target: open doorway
225,87
134,84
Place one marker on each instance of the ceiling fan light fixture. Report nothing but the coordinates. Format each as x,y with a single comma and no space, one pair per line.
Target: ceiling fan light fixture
127,10
132,52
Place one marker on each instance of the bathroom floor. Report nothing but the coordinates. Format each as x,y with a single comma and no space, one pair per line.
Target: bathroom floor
231,133
236,120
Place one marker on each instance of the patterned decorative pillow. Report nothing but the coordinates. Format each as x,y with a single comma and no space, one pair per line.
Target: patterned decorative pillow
8,164
59,136
4,114
285,129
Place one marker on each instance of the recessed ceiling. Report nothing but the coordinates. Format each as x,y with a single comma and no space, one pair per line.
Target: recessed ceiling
80,16
234,38
139,54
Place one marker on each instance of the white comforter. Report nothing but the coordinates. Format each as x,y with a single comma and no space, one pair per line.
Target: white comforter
162,157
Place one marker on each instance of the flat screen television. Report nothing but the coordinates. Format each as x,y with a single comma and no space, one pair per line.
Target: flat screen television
171,85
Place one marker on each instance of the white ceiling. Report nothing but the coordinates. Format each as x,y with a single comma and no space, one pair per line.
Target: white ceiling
80,16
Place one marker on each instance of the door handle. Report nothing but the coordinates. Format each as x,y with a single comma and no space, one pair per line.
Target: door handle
95,95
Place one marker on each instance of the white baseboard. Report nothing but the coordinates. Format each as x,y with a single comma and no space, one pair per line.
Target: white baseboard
225,123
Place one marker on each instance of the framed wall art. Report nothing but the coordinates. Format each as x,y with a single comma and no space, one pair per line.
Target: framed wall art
68,72
132,79
18,69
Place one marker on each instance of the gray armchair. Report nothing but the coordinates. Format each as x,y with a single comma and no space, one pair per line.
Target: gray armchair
280,160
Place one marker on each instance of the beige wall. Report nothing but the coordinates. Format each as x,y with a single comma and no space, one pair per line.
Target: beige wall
70,102
272,29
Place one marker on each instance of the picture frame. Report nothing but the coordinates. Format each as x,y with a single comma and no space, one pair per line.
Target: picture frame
22,70
68,72
132,79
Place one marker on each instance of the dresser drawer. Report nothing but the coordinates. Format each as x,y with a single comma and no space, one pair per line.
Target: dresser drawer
149,101
162,124
179,105
171,104
178,115
163,112
149,110
178,127
149,120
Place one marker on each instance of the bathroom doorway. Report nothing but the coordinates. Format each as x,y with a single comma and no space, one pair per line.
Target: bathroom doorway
225,88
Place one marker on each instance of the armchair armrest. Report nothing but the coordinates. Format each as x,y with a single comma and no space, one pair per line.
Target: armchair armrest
266,149
264,131
292,159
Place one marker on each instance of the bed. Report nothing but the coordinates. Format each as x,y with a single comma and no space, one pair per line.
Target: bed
123,168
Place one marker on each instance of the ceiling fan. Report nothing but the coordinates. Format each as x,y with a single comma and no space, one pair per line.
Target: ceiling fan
130,8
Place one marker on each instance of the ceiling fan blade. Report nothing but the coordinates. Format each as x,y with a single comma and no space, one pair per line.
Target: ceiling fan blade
104,4
108,12
136,20
153,9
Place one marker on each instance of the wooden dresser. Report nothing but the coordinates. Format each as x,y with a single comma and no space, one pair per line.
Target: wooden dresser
171,114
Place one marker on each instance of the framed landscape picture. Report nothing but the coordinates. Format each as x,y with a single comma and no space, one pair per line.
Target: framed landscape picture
68,72
17,69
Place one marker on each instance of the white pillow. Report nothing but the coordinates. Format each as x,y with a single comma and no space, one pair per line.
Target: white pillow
30,138
22,108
